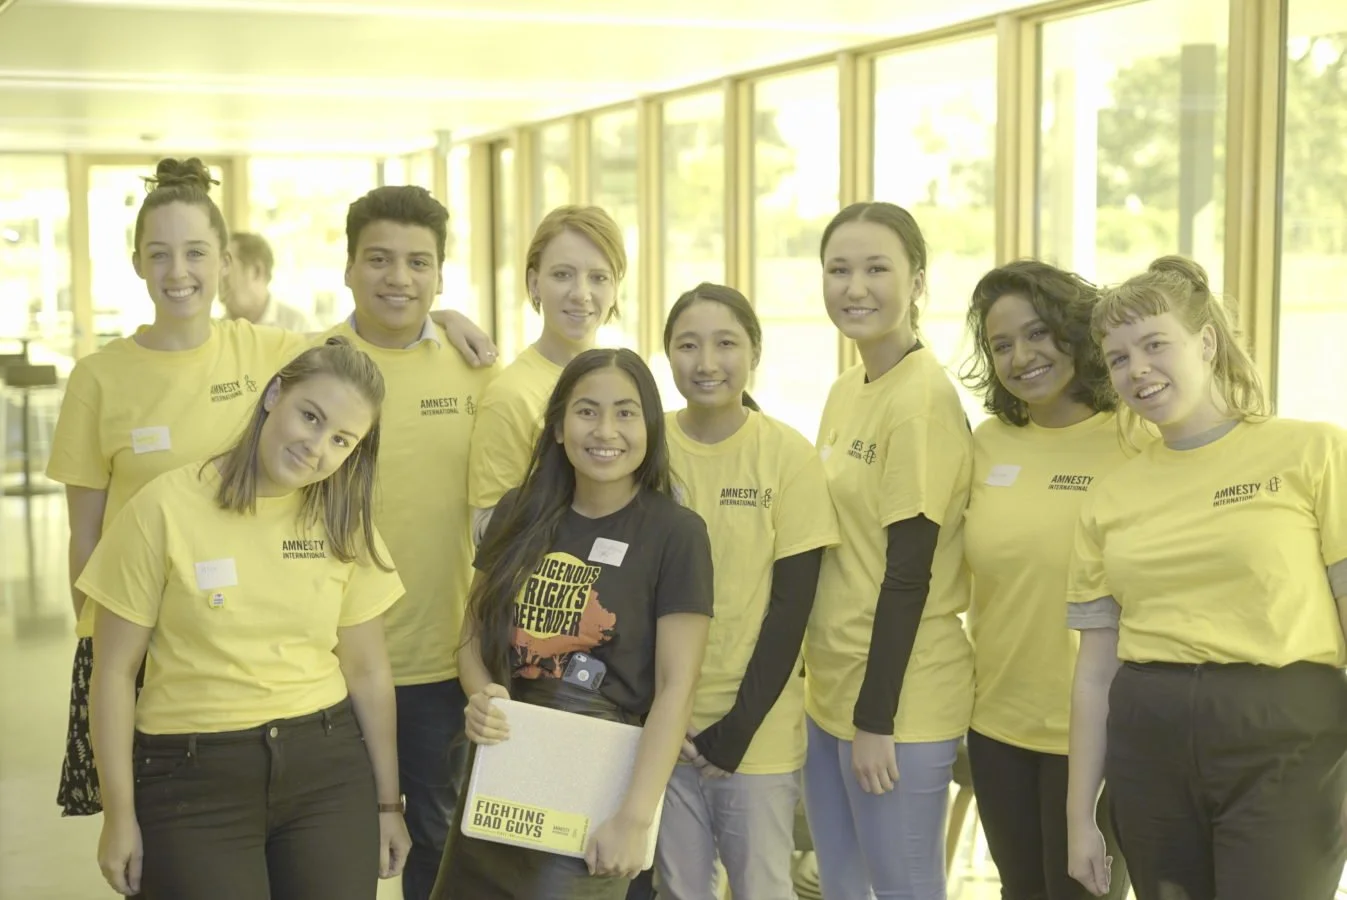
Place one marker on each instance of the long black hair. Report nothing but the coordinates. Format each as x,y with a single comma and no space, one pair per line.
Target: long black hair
514,549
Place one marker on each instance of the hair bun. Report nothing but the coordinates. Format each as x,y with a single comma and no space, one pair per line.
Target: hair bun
181,173
1184,268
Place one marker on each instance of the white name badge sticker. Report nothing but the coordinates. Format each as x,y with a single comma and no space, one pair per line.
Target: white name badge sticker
150,440
214,574
1003,476
608,552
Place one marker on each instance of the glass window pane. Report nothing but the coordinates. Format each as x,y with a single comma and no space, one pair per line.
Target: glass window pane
459,293
35,256
511,304
299,205
796,175
935,155
613,175
421,170
554,160
393,170
694,209
1132,153
694,193
1312,325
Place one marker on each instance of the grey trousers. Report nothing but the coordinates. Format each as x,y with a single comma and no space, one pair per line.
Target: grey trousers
747,821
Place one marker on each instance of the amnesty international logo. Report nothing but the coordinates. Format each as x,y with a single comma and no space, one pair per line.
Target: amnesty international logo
866,453
557,614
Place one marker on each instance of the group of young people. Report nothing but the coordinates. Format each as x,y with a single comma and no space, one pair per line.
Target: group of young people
316,561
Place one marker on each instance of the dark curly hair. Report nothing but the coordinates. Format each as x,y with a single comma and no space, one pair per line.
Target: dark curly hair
1064,301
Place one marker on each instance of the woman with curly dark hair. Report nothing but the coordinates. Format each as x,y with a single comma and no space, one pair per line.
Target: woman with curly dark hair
1052,435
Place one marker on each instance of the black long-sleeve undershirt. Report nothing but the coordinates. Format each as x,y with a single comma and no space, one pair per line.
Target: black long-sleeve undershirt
773,663
902,599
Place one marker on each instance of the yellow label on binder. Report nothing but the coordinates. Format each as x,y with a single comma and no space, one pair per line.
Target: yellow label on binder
546,829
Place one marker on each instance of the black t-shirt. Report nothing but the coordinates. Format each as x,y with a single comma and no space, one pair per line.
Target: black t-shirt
601,587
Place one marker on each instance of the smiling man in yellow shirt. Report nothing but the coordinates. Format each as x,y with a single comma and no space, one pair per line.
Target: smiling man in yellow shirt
395,250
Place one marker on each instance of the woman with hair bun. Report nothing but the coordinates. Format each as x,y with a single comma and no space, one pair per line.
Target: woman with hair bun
172,393
176,391
1209,587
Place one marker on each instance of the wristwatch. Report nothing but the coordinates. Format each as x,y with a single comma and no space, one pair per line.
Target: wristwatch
399,807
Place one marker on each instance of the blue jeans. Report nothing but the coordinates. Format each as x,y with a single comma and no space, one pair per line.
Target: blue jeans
431,766
888,846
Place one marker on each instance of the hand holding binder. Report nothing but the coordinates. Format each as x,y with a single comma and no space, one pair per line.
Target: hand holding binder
556,785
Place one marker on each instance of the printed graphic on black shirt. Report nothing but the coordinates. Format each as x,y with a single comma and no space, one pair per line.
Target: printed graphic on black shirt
557,614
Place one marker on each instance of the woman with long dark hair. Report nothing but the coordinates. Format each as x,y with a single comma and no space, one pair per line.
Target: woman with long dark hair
173,393
595,511
261,757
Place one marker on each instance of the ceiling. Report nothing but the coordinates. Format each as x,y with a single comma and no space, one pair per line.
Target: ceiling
264,76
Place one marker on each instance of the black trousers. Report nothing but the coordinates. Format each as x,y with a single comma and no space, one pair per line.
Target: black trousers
286,811
1021,798
1228,780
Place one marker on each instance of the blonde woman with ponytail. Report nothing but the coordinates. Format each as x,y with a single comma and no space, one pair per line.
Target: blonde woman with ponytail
1209,585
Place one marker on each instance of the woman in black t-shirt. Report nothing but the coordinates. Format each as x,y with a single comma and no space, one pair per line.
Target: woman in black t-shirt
594,519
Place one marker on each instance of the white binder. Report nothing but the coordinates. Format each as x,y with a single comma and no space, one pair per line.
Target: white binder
558,778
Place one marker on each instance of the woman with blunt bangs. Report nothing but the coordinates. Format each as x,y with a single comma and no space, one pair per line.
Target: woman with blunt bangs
595,501
1052,436
1209,587
889,674
261,757
760,487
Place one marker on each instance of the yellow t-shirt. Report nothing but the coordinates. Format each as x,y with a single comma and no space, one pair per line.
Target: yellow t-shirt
244,608
764,497
131,414
508,420
1028,487
421,506
893,449
1219,554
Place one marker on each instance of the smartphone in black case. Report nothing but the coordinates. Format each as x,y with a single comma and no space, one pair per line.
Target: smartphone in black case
584,671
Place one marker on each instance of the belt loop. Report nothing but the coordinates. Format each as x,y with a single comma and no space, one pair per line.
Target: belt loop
327,722
191,748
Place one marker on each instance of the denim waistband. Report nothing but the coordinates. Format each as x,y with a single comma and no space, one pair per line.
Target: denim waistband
323,720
